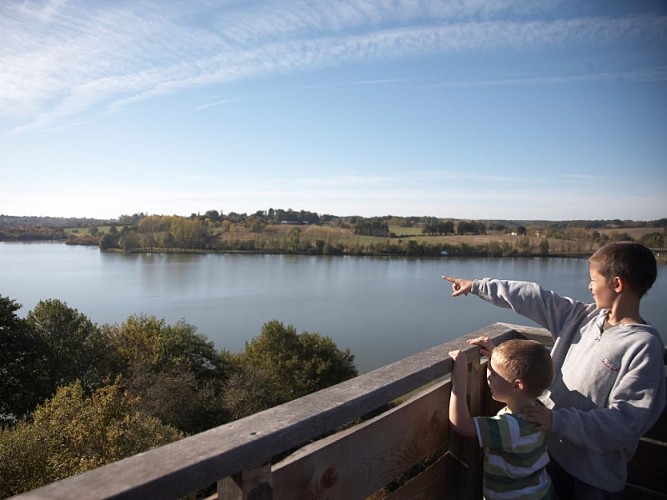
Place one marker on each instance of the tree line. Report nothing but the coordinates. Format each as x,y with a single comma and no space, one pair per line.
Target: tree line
289,231
75,395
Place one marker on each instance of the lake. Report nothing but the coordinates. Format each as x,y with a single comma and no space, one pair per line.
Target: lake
383,309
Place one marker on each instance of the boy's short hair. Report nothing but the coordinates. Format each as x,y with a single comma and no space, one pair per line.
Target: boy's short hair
630,261
528,361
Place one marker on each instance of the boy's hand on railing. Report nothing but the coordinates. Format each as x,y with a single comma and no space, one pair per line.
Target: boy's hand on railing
459,285
485,345
539,415
460,366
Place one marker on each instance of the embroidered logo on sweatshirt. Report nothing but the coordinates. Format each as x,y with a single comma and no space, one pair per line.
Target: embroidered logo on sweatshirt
610,365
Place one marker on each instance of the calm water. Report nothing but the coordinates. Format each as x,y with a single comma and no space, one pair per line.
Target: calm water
382,309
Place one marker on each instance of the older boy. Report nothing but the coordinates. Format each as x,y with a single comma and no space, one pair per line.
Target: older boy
610,382
515,455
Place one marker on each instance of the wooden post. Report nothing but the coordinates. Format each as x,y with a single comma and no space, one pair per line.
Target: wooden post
476,386
465,464
249,484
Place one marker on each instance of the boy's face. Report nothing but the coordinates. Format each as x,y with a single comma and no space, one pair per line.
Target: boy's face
501,388
601,288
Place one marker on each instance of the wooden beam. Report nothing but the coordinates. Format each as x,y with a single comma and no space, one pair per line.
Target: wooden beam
356,462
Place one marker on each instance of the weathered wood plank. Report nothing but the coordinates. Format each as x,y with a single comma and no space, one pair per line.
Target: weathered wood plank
465,449
198,461
456,475
530,332
431,484
358,461
249,484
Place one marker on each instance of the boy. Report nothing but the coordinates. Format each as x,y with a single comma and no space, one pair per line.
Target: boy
515,455
610,383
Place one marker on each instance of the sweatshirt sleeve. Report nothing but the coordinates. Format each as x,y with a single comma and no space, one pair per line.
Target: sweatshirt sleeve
530,300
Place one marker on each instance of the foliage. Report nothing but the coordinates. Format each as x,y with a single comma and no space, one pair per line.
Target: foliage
292,364
22,364
73,433
152,344
654,240
544,246
177,398
279,216
73,345
31,233
438,227
187,233
470,227
371,227
264,231
176,371
249,390
169,380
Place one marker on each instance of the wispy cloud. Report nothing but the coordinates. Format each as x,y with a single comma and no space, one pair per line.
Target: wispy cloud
61,58
213,104
637,76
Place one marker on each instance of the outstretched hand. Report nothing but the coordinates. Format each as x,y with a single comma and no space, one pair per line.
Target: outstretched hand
460,286
539,415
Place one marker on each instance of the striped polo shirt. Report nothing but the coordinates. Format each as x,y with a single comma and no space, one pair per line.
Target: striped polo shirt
515,457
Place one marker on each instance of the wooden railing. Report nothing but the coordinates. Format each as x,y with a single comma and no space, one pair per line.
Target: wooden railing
384,434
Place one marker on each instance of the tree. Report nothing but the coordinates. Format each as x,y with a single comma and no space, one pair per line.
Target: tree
151,228
74,347
109,240
471,227
295,364
371,227
212,215
177,372
653,240
177,398
129,241
544,246
23,377
294,239
152,343
446,227
438,227
73,433
188,233
249,390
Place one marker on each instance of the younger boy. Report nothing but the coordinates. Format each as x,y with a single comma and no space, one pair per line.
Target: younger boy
515,455
610,382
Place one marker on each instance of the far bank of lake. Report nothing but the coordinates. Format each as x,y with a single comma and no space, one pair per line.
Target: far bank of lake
383,309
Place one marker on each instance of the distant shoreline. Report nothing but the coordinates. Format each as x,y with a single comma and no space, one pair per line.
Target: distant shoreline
661,254
280,232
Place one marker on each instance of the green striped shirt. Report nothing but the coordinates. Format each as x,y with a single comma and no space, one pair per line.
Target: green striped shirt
515,457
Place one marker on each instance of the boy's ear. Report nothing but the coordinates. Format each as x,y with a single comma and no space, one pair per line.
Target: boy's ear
618,284
519,384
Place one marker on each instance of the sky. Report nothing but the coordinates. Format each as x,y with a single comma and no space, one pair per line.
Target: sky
469,109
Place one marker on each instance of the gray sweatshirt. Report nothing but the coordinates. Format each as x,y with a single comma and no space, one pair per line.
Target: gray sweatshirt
609,387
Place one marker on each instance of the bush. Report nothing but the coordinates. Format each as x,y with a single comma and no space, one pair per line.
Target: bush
285,365
72,433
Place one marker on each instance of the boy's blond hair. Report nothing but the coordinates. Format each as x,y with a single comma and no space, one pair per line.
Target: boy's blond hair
528,361
630,261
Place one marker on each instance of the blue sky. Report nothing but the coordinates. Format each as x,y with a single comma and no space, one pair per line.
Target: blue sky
474,109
